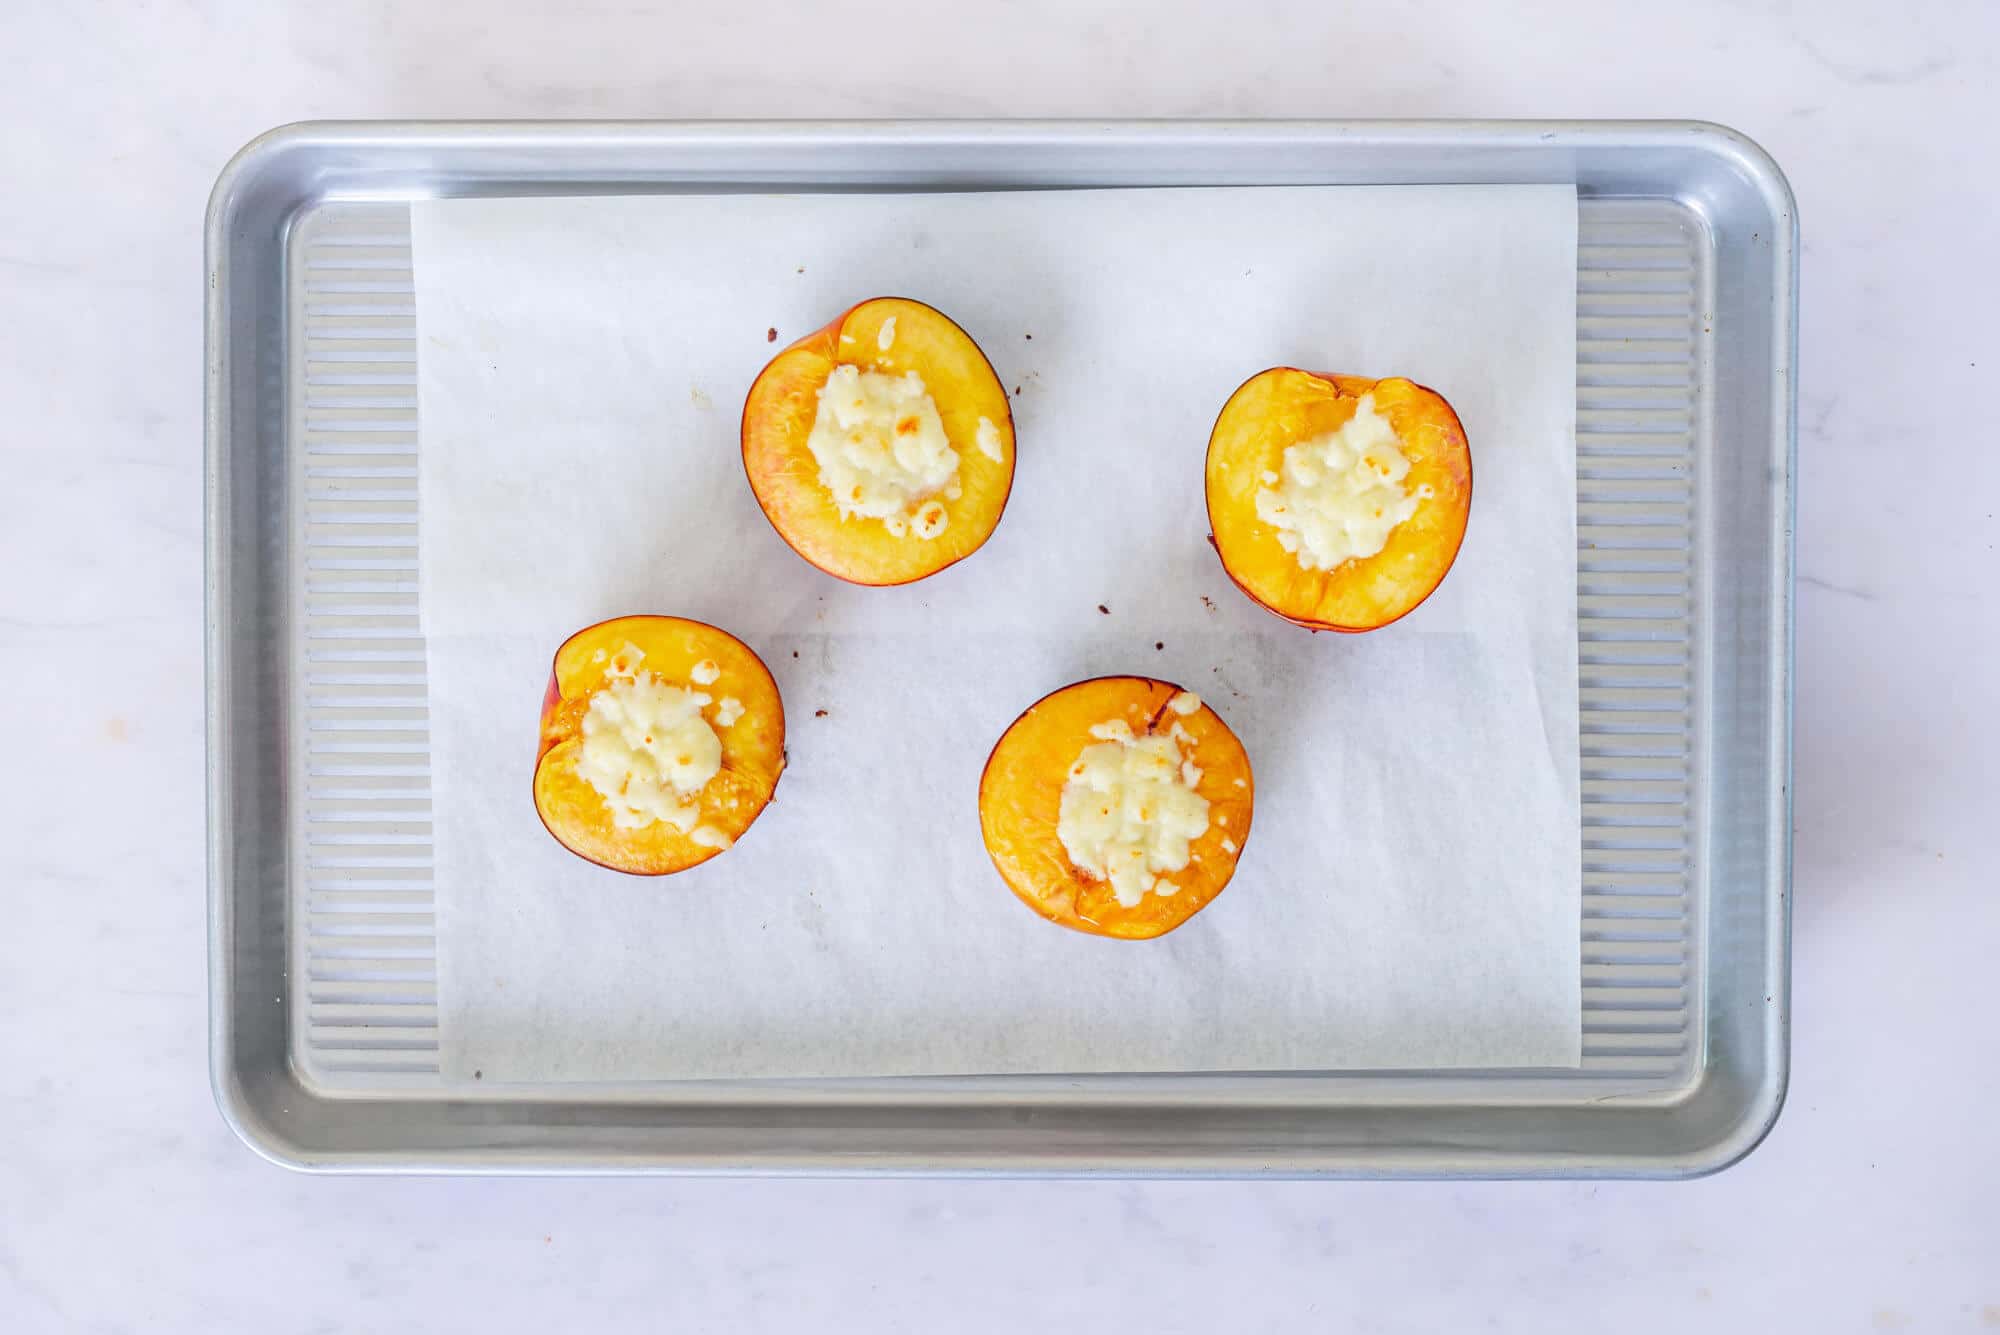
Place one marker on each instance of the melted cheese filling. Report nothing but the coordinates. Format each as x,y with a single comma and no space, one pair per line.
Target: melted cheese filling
648,751
882,450
1129,810
1339,496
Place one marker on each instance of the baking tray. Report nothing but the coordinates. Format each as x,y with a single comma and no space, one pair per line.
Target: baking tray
323,1040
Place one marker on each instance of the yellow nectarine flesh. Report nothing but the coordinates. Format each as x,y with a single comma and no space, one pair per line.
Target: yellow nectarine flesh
661,741
853,461
1078,782
1286,520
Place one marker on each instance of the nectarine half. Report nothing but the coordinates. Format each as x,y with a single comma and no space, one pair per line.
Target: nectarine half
1117,806
882,446
1336,501
661,740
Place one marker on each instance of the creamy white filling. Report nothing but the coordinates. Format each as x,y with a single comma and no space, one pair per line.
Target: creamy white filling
1129,811
647,751
1338,497
882,450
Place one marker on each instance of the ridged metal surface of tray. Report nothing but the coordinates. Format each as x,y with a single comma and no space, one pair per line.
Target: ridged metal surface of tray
325,1038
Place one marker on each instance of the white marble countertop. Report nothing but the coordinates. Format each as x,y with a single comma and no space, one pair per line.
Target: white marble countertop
125,1204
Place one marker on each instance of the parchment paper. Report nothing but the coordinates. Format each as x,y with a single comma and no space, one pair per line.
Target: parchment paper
1409,895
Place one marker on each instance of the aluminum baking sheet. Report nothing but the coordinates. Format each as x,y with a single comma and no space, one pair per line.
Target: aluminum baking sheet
325,1050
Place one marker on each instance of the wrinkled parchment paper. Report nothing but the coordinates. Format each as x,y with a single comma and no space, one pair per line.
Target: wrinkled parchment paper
1409,896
